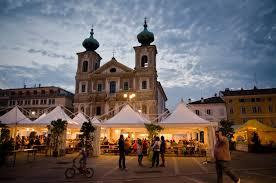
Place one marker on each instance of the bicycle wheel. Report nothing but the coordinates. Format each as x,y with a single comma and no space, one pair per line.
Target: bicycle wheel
89,172
70,172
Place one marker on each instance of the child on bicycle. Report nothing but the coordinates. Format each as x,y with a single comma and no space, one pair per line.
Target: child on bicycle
83,158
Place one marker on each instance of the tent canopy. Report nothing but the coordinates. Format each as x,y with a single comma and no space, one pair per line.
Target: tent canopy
126,117
184,116
55,114
80,118
95,121
15,116
255,125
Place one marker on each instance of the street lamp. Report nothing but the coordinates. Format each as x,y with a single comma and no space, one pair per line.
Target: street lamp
33,112
129,96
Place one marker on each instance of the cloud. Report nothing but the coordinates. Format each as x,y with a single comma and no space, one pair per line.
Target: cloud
202,45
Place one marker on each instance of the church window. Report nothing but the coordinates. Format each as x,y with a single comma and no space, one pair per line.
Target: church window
126,85
112,86
144,109
113,70
100,87
96,66
83,88
98,111
144,61
144,85
85,66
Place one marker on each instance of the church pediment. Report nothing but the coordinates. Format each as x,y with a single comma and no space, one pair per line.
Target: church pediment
113,66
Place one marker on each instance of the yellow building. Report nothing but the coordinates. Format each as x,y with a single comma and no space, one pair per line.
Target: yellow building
243,105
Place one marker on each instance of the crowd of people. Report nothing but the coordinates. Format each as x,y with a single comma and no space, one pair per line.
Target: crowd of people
27,142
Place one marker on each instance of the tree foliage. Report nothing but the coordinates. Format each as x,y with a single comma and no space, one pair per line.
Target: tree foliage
153,130
57,129
87,130
227,129
5,143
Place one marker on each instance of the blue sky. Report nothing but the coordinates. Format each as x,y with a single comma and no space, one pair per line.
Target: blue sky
203,46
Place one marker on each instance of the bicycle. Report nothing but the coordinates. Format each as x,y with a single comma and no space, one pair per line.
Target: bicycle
71,172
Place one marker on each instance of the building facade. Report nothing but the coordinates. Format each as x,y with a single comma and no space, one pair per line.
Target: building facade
243,105
101,90
212,109
35,100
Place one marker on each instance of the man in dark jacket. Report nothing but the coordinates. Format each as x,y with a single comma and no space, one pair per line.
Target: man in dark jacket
122,152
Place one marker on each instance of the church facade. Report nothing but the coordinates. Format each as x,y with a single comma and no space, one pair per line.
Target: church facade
102,90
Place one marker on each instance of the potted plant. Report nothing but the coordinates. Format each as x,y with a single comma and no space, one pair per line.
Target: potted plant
58,127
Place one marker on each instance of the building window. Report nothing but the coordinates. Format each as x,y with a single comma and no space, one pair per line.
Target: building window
254,109
258,99
197,112
144,85
96,66
35,92
41,102
144,109
99,87
36,102
98,111
242,100
82,109
85,66
144,61
253,100
112,87
259,109
43,92
270,109
112,70
83,88
125,85
231,111
33,102
243,111
209,111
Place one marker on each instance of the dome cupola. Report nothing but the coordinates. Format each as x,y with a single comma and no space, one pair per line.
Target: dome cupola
145,37
90,44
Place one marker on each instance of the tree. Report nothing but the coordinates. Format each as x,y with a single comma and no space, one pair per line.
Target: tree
58,127
227,129
5,143
153,130
87,130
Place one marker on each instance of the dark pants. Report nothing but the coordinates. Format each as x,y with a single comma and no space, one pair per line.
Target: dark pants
224,166
122,158
155,158
162,158
140,158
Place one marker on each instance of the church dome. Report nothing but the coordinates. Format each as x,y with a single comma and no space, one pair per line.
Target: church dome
145,37
90,44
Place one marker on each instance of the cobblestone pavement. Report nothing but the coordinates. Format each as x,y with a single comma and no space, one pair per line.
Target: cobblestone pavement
252,168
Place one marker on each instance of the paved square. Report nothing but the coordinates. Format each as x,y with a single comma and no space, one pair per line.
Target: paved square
252,168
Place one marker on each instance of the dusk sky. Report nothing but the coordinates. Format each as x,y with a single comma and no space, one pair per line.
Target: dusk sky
203,46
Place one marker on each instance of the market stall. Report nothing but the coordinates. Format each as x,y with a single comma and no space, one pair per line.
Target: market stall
188,133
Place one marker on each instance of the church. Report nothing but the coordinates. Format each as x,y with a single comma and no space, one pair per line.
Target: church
102,90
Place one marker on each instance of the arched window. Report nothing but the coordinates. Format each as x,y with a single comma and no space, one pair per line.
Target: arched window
84,66
96,66
82,109
113,69
144,61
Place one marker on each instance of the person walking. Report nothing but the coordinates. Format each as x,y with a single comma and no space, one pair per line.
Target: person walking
156,151
140,152
162,151
122,158
222,157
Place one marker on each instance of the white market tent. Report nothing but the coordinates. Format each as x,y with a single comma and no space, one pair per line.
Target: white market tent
183,116
15,116
80,118
182,119
127,117
95,121
56,113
